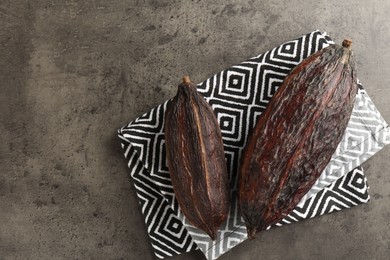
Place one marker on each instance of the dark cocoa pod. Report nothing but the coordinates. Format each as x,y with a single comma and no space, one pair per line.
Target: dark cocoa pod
296,136
196,159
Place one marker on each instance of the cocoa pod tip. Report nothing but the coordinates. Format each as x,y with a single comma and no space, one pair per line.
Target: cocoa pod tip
212,234
186,80
347,43
251,232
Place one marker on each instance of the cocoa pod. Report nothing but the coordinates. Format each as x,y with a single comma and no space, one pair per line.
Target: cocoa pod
196,159
296,136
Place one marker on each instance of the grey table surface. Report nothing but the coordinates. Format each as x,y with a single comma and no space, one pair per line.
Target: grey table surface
72,72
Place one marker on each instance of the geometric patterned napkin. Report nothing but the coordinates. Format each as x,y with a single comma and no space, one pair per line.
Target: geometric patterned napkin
238,95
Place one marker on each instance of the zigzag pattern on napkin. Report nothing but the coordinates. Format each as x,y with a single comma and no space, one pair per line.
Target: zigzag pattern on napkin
168,235
349,190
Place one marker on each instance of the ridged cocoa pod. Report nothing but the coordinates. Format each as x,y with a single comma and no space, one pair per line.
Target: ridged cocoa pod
196,159
296,136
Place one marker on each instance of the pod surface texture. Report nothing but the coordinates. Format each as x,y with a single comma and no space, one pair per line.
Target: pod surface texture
196,159
296,136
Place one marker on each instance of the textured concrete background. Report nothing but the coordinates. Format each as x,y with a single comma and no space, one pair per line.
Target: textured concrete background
72,72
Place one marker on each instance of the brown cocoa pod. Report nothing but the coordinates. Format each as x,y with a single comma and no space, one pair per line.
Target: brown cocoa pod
196,159
296,136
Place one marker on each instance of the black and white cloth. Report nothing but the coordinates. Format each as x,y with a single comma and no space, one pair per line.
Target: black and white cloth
238,95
